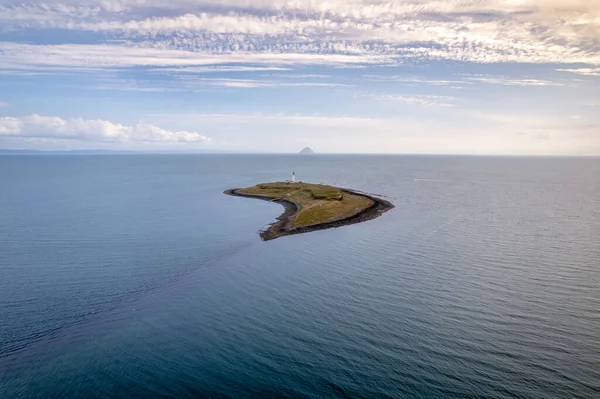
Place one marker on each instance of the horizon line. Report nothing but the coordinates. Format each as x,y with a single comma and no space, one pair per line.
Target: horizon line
234,152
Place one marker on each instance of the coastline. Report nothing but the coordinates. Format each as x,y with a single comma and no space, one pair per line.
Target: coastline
283,224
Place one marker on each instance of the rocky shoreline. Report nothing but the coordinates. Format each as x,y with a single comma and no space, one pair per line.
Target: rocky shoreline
283,225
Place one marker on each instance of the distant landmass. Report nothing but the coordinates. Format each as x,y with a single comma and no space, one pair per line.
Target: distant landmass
307,150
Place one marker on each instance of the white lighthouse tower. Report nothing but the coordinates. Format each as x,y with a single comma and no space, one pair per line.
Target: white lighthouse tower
293,177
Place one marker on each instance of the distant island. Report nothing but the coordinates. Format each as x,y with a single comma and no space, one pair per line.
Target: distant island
310,207
306,150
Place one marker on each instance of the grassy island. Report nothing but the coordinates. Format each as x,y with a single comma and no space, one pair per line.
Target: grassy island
312,207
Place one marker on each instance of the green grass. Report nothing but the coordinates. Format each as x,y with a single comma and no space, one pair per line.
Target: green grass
318,203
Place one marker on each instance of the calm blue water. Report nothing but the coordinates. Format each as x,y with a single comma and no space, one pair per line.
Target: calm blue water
134,276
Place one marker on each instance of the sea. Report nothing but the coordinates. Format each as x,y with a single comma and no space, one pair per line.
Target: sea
134,276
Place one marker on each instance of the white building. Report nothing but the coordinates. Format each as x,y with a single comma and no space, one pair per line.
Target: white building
293,177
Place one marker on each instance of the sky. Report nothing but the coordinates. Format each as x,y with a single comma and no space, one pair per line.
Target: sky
505,77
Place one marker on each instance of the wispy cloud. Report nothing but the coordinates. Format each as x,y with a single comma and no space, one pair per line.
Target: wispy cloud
300,76
19,56
285,119
53,127
505,81
221,69
583,71
3,104
254,83
421,100
180,83
416,81
132,88
286,31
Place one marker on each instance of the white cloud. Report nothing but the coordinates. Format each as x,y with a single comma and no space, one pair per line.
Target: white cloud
221,69
193,83
422,100
483,31
413,80
53,127
117,86
3,104
583,71
19,56
253,83
285,119
300,76
505,81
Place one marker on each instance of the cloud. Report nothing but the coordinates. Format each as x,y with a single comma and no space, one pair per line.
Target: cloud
53,127
19,56
285,119
3,104
413,80
422,100
300,76
192,83
221,69
481,31
505,81
253,83
583,71
134,87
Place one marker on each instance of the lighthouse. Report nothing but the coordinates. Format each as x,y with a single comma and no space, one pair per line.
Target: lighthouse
293,177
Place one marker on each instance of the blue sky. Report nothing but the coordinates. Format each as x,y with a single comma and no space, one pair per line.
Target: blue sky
514,77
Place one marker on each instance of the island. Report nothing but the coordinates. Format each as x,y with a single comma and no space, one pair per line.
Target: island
310,207
306,151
